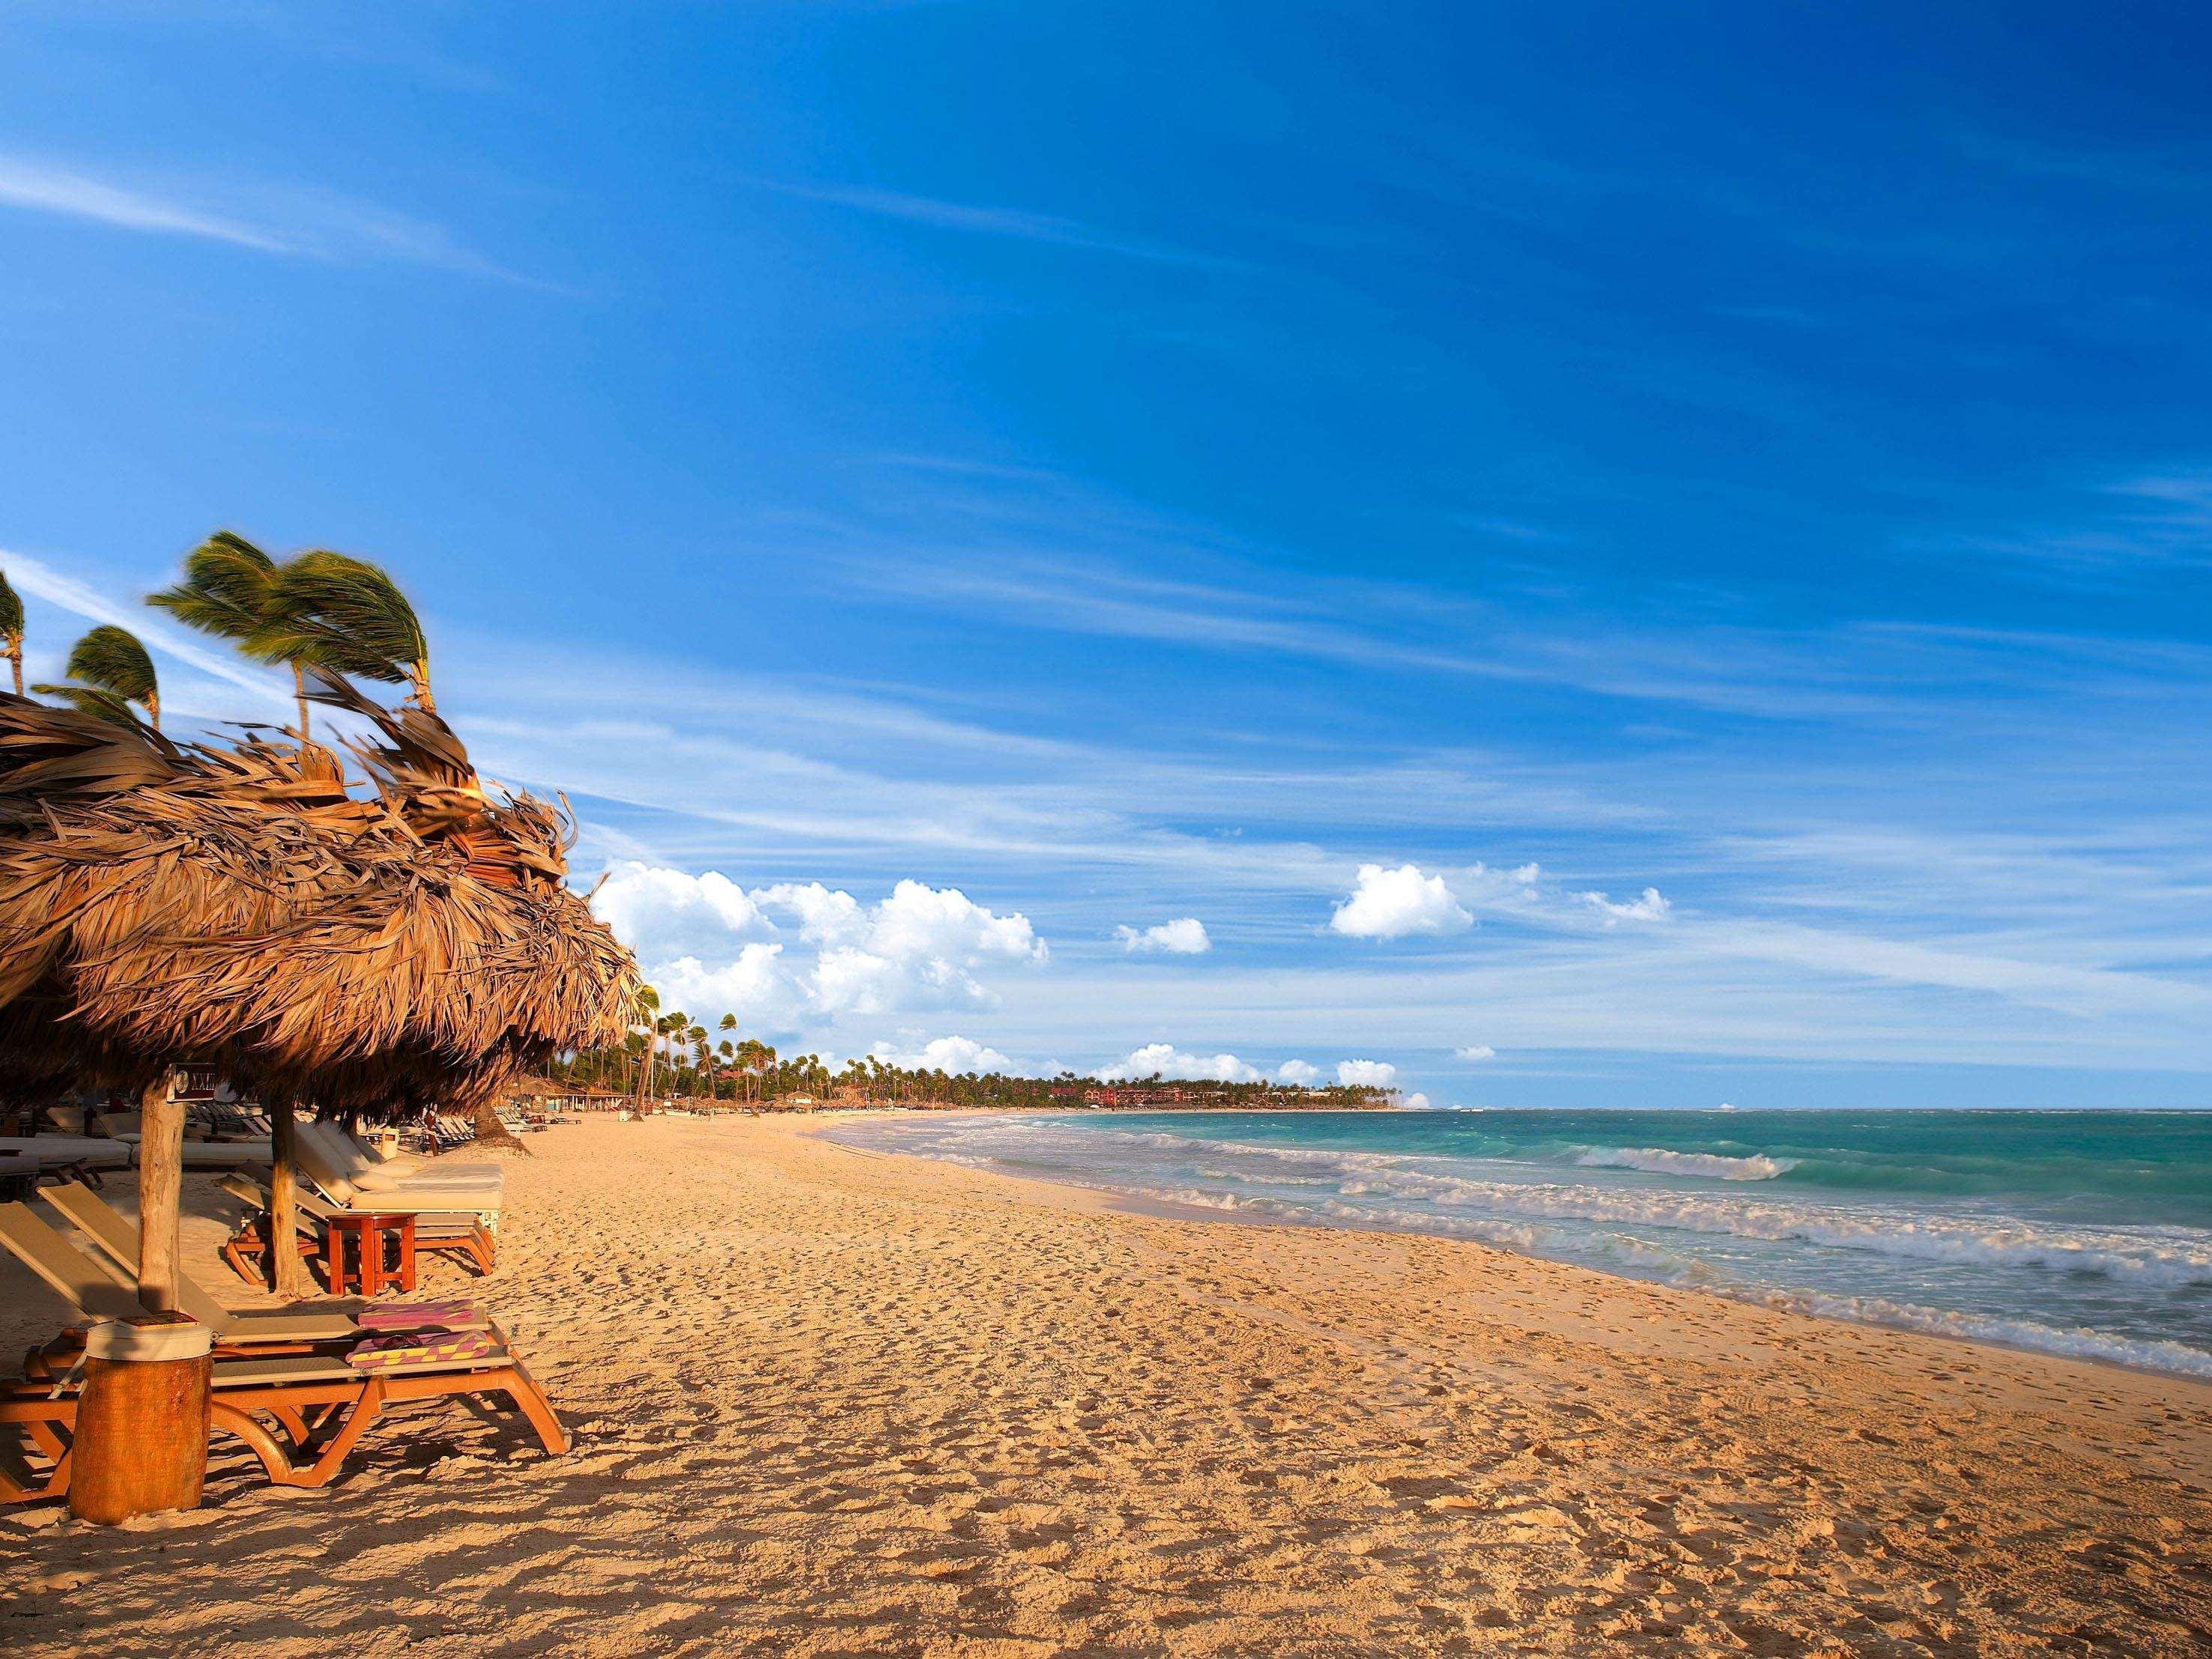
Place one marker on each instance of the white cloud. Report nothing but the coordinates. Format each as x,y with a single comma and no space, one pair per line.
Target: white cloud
1417,1101
1298,1071
1476,1051
300,222
1185,937
953,1055
46,189
1365,1074
1395,903
1165,1059
1649,908
753,985
661,913
698,938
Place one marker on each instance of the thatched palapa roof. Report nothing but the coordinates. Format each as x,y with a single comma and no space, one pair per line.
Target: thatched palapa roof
234,904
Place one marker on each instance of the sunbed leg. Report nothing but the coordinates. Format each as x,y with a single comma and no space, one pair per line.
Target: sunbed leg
523,1390
295,1425
274,1462
366,1410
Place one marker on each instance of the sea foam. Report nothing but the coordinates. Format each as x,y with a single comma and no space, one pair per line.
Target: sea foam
1713,1166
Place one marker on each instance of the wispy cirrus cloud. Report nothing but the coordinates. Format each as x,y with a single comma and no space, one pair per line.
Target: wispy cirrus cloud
1017,224
291,222
46,189
2156,517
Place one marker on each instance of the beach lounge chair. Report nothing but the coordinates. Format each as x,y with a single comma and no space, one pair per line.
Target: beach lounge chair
320,1402
113,1293
460,1236
350,1180
86,1153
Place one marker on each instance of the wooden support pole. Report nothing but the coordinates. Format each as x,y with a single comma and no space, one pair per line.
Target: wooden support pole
160,1192
291,1272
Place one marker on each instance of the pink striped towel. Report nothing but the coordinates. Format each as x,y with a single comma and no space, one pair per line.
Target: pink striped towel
382,1353
457,1314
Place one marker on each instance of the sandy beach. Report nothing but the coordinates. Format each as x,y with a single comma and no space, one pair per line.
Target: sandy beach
831,1402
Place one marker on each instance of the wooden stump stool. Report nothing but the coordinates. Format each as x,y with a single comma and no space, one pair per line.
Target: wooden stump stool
142,1421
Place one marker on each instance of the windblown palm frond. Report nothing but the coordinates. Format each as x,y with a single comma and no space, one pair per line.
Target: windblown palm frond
11,630
112,671
112,658
91,700
226,588
345,614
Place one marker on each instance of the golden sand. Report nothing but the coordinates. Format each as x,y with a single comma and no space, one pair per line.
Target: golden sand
829,1402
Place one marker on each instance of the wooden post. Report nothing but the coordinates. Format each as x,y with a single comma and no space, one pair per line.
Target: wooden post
160,1192
291,1272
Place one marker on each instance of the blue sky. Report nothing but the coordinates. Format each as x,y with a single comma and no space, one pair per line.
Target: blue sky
1666,544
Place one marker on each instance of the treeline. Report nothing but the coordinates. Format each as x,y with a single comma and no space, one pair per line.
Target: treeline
763,1077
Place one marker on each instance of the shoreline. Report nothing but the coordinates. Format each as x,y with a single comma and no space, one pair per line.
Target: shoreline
1116,1201
829,1401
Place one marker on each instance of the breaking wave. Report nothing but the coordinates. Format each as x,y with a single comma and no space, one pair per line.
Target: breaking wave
1713,1166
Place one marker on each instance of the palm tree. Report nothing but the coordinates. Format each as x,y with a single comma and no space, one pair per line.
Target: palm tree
230,591
645,1015
347,615
11,630
665,1030
112,671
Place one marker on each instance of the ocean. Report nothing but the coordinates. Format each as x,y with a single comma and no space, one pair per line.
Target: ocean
2084,1233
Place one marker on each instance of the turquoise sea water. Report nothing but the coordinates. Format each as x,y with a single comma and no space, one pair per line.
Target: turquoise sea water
2085,1233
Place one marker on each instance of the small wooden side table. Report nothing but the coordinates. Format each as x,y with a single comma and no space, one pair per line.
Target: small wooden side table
366,1233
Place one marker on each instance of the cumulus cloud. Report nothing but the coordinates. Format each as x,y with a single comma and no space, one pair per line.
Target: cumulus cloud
714,947
1417,1101
1185,937
753,985
1477,1051
1398,903
1298,1071
1649,908
671,914
1165,1059
953,1055
1365,1074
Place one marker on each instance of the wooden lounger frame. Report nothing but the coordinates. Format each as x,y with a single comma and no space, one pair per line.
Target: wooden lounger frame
322,1408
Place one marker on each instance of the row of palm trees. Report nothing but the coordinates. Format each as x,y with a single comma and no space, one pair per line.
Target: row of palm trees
315,609
753,1073
669,1053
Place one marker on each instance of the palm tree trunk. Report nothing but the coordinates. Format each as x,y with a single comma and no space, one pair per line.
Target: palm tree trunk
291,1272
160,1183
418,676
490,1132
300,692
15,662
154,710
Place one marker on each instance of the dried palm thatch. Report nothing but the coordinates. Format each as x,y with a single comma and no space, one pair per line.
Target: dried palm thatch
236,905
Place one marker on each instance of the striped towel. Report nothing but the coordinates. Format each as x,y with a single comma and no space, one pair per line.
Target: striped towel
382,1353
458,1314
